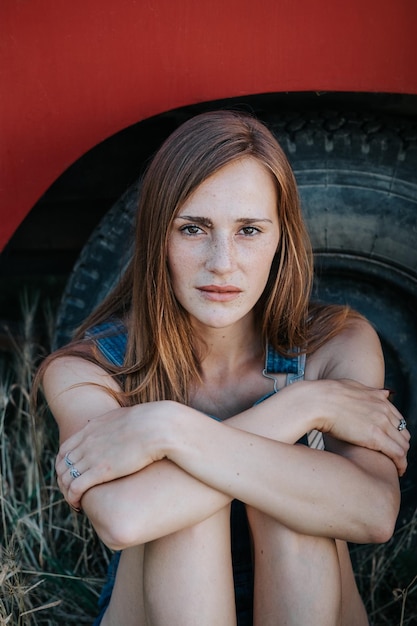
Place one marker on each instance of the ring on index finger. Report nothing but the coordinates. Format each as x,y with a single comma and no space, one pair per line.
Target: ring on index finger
402,425
67,460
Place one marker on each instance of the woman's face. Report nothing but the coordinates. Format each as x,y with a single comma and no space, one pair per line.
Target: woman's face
222,244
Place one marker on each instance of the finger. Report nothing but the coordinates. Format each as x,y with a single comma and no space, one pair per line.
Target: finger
406,434
73,488
391,443
404,440
64,481
402,467
396,425
401,433
72,443
68,471
401,437
74,505
399,456
80,478
65,461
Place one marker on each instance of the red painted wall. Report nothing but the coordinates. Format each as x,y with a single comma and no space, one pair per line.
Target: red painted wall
74,73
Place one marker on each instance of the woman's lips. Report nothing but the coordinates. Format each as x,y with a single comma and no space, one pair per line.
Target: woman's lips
220,293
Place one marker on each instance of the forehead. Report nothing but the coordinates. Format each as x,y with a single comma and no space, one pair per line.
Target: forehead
244,182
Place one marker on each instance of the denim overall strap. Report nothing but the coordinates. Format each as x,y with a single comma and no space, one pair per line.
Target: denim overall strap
294,367
111,339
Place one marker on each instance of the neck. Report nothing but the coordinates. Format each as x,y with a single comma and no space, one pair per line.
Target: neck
226,349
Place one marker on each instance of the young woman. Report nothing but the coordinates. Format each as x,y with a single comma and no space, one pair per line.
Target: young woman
168,413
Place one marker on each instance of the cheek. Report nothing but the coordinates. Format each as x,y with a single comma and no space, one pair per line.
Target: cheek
261,262
173,260
180,270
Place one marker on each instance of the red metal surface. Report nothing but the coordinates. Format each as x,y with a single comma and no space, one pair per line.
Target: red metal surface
74,73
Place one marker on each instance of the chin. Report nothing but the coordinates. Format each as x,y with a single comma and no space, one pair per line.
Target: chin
218,323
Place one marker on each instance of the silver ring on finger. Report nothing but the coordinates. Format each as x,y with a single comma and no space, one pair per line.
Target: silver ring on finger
402,425
74,472
67,460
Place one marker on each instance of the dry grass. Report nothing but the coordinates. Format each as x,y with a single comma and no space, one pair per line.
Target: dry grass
51,564
387,576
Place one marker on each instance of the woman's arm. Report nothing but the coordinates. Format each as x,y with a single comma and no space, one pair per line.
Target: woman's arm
350,493
160,499
353,497
115,443
176,499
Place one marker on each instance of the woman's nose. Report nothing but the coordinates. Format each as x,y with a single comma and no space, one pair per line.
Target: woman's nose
221,256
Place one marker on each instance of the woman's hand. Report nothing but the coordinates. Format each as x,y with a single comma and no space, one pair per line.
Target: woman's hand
344,409
364,416
119,443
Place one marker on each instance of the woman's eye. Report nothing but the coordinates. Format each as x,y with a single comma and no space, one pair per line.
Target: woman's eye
191,229
250,230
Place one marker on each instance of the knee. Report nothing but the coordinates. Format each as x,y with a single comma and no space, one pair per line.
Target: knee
269,534
203,535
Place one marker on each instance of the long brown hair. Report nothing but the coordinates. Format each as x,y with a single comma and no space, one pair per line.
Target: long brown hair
161,361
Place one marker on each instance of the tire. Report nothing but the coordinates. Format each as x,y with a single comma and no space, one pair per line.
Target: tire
99,266
357,177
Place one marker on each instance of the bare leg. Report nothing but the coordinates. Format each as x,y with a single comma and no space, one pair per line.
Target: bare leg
183,579
188,576
353,610
127,605
297,577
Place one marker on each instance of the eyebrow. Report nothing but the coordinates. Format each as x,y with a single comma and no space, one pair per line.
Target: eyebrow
208,222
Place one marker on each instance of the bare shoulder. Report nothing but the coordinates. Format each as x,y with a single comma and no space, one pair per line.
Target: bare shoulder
354,353
65,371
77,390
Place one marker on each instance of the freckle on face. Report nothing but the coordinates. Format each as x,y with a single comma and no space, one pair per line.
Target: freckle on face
226,234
